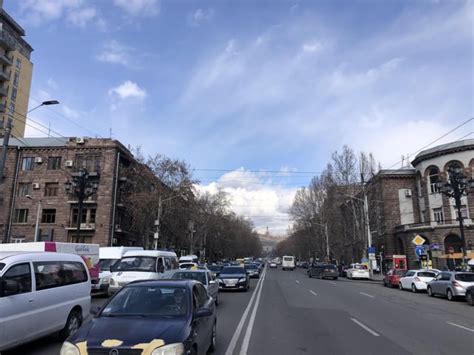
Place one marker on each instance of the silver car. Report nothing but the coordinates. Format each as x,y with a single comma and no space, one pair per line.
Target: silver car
206,277
451,284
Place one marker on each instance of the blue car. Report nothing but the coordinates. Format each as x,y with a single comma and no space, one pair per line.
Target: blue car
151,317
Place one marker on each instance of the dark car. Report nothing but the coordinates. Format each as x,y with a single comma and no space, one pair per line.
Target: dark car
324,271
470,295
234,278
173,315
253,270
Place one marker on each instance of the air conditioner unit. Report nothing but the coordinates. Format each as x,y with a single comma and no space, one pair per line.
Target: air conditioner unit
36,185
69,163
80,140
408,192
38,160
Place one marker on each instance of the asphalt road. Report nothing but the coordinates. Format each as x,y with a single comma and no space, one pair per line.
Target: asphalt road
287,313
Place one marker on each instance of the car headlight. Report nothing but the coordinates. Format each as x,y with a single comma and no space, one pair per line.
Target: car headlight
105,280
243,279
69,349
171,349
113,282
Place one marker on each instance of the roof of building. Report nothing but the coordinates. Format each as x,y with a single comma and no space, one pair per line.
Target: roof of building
443,149
7,18
37,142
404,171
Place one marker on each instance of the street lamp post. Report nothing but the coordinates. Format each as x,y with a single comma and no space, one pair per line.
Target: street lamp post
158,216
38,214
82,187
456,187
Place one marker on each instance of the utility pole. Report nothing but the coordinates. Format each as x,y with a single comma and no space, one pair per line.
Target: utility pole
157,222
456,187
81,187
6,139
367,221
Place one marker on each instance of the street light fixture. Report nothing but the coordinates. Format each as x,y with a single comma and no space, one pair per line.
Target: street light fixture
38,212
45,103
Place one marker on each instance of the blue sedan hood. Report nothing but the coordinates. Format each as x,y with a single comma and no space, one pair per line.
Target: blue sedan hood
132,331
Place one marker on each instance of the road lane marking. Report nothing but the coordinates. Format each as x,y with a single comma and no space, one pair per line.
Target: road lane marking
314,293
297,281
366,294
460,326
332,283
238,330
248,333
365,327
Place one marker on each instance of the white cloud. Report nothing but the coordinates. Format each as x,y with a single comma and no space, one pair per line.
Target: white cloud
126,90
257,197
200,16
52,84
312,47
116,53
137,8
76,12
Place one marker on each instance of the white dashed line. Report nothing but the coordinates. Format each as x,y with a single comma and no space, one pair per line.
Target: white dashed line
366,294
332,283
365,327
314,293
297,281
461,326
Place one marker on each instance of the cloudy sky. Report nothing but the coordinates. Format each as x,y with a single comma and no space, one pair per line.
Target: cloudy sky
254,95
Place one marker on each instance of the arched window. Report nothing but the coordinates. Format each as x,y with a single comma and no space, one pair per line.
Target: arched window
434,179
452,243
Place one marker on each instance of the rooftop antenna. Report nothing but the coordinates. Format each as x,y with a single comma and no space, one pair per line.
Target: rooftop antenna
403,161
110,132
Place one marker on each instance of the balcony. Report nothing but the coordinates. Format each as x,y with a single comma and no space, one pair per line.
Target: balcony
84,226
3,91
5,75
6,40
5,59
432,225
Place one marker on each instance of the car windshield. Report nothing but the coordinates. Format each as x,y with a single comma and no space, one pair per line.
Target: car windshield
251,266
105,264
137,263
148,301
465,277
233,270
190,275
2,265
426,274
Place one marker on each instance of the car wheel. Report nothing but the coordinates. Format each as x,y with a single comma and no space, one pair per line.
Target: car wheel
450,295
469,299
384,284
73,323
400,286
413,288
334,278
430,292
212,347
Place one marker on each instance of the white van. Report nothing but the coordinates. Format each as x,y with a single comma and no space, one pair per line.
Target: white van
143,265
108,258
40,294
288,263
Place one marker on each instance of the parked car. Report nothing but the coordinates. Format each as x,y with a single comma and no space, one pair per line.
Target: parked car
253,270
451,284
416,280
323,271
470,295
358,271
205,277
168,316
392,277
41,294
234,278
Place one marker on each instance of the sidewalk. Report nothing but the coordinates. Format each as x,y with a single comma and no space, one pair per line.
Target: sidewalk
377,277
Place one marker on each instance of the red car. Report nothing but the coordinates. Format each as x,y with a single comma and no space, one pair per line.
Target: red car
392,277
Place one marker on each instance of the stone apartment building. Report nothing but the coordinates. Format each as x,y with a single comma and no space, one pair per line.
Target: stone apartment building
405,202
33,187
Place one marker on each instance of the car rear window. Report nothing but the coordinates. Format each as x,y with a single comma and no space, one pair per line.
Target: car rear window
360,267
331,266
288,258
466,277
426,274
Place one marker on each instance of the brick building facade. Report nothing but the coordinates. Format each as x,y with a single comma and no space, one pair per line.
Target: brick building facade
34,180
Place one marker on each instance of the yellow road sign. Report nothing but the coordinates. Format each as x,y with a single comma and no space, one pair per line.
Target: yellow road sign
418,240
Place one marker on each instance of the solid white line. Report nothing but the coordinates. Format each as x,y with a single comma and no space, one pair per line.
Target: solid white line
366,294
462,327
238,330
365,327
314,293
297,281
248,333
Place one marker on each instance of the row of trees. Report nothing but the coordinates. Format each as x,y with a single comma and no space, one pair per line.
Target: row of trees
320,211
160,188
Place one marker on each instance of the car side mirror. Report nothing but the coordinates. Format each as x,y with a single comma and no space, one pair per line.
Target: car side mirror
95,310
203,312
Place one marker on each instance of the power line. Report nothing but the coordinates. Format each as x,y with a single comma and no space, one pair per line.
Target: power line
258,171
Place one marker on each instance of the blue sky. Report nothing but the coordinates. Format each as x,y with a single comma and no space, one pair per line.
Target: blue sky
252,85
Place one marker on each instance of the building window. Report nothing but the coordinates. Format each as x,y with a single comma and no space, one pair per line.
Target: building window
438,215
51,189
88,216
48,216
54,163
14,93
27,163
20,215
11,108
434,179
81,239
16,79
24,188
18,63
89,162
